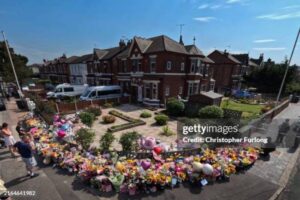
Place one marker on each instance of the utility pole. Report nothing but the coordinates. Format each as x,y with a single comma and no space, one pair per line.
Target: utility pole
287,68
12,65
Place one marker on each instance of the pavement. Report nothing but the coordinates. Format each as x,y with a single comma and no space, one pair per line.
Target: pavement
261,182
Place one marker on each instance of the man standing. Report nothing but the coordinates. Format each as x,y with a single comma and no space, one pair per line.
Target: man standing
283,129
25,149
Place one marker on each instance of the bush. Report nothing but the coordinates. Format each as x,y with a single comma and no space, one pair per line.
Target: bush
161,119
108,105
87,118
175,107
145,114
95,110
166,131
85,137
108,119
129,141
211,112
106,140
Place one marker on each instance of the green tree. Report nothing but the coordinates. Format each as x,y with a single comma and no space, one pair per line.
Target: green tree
268,78
211,112
19,61
85,137
106,140
129,141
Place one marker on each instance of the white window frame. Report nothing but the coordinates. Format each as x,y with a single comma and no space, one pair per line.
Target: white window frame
167,91
182,66
212,85
180,91
169,65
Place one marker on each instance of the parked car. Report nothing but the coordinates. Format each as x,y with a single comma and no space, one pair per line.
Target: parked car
2,105
241,94
67,90
102,92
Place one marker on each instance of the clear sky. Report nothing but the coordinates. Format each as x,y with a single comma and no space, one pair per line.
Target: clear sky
46,29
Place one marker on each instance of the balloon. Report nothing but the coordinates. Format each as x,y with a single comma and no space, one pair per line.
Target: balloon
158,150
146,164
65,127
47,160
148,142
61,133
188,160
208,169
56,118
197,166
120,167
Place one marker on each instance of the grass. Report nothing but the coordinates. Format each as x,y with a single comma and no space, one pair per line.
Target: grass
250,111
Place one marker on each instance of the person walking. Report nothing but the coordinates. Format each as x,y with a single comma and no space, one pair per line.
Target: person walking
283,129
8,138
25,149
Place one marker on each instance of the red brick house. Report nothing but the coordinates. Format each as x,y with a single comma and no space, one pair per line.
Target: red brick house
157,68
57,70
227,71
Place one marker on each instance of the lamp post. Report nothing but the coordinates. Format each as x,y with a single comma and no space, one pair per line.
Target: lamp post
287,68
12,65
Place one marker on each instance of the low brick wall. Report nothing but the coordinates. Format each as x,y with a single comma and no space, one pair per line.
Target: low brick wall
265,118
64,107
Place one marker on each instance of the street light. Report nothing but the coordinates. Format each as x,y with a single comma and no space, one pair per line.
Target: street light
287,68
12,65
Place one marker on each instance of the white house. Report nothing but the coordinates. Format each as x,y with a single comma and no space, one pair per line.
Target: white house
78,69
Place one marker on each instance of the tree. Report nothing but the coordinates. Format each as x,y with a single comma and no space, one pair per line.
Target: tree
175,107
268,78
19,61
106,140
129,141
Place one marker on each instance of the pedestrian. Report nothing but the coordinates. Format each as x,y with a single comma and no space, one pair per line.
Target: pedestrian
8,137
25,149
283,129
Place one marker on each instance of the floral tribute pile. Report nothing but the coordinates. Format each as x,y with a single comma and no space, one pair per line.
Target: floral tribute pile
109,171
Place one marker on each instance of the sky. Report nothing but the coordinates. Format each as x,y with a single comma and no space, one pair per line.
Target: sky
45,29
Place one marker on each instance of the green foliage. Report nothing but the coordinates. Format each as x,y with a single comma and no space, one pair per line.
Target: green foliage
95,110
108,119
106,140
268,78
145,114
87,118
211,112
85,137
20,62
161,119
129,141
166,131
108,105
293,87
175,107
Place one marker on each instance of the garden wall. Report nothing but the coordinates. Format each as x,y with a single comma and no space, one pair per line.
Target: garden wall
65,107
265,118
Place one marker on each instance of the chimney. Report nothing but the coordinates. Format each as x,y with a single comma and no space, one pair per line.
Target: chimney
122,43
225,52
129,42
180,40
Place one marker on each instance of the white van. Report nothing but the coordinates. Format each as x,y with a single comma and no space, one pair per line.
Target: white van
102,92
67,90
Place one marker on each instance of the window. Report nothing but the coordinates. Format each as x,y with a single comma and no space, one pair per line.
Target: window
93,94
212,86
167,91
193,88
152,64
180,90
202,69
203,87
169,65
136,65
68,89
193,66
124,66
182,66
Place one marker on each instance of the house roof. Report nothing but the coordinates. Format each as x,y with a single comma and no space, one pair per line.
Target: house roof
193,50
71,59
226,55
243,58
82,59
251,63
212,95
164,43
143,43
105,54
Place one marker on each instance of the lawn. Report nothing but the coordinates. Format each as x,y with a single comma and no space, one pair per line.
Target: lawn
250,111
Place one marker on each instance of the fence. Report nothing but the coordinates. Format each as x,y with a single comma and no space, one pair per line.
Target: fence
64,107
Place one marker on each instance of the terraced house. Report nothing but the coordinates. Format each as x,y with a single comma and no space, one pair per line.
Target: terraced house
152,69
